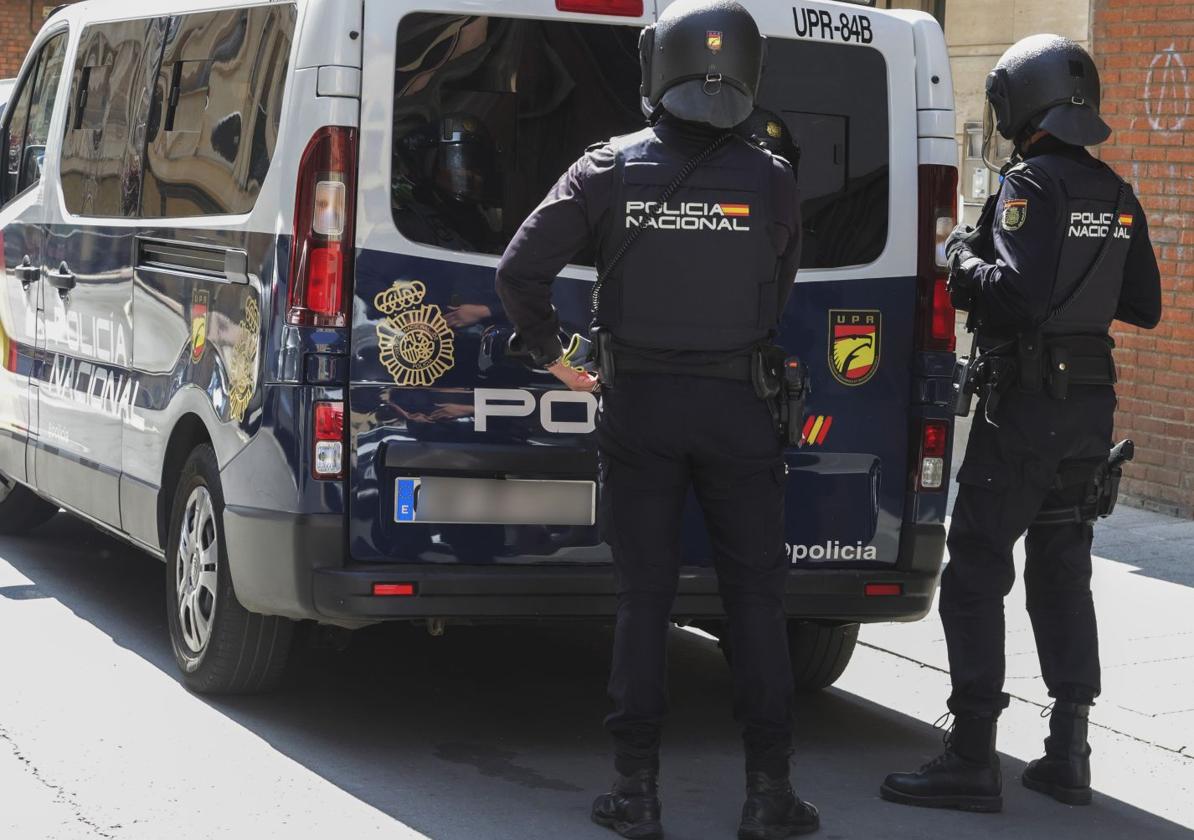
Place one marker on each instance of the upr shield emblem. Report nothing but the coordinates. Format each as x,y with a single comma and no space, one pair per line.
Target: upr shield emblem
1015,213
415,342
198,324
854,341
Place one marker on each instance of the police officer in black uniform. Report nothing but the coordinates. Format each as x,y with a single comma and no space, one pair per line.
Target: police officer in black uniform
681,310
1061,252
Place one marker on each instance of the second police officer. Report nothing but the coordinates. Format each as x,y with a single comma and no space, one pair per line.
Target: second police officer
1061,252
697,236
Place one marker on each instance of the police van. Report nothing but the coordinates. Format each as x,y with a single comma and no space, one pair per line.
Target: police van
249,322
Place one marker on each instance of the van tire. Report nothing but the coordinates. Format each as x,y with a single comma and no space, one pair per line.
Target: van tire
21,510
819,652
219,646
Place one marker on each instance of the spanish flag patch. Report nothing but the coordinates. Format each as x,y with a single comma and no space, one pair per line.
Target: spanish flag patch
1125,219
735,209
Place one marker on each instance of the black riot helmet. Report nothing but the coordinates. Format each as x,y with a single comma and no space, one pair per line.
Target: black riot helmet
464,167
702,62
453,157
1043,83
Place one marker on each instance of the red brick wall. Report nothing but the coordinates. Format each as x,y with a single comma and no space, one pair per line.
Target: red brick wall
19,22
1145,51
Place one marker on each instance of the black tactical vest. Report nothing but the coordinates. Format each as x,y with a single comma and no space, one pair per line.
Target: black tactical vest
1089,216
702,275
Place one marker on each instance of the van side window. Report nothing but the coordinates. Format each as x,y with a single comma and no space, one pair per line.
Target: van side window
27,121
489,111
214,116
101,152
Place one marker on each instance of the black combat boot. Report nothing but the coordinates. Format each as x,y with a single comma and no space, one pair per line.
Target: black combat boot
773,811
966,776
1064,772
631,808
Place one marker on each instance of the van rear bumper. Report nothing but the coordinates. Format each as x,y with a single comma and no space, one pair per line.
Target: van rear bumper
291,565
344,595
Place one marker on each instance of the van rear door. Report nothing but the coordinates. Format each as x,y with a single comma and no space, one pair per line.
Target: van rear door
482,115
461,451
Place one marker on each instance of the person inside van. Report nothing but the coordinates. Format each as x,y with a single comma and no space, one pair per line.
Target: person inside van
452,184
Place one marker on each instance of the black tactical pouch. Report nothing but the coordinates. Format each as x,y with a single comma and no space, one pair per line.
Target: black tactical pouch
1058,377
1030,358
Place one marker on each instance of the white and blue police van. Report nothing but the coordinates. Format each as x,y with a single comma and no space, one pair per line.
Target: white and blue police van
249,322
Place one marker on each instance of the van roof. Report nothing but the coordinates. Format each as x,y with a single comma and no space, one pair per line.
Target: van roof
105,10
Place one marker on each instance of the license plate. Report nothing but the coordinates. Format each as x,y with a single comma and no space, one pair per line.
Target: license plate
488,501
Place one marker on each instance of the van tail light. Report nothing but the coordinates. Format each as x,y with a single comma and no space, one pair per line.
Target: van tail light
328,455
392,589
937,217
321,257
625,8
883,590
934,437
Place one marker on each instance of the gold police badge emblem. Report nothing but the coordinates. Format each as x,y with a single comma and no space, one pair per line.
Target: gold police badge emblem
243,370
416,344
1015,213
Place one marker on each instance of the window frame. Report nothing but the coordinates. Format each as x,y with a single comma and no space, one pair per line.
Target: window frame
29,77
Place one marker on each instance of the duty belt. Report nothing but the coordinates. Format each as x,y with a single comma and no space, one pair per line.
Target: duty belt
736,368
1056,361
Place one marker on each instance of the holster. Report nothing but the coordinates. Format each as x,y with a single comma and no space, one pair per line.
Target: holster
602,350
782,382
963,385
793,394
1100,491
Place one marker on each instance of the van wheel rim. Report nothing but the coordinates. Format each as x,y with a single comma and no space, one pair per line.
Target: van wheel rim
195,578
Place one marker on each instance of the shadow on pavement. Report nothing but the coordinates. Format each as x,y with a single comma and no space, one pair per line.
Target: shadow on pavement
494,732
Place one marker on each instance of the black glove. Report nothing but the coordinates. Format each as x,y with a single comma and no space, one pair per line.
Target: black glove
963,236
962,264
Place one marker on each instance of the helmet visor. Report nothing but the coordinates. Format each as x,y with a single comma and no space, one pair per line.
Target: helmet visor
997,152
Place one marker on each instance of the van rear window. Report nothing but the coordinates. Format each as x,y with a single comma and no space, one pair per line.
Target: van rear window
489,111
833,99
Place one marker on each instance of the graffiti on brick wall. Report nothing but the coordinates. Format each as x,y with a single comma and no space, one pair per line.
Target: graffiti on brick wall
1167,91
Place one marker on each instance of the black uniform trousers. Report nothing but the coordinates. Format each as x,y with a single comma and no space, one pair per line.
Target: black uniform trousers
659,436
1011,472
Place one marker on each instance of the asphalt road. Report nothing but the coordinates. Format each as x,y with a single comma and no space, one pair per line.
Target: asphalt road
486,732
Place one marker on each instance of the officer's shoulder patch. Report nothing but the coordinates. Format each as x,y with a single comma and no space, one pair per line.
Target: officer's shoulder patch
1015,213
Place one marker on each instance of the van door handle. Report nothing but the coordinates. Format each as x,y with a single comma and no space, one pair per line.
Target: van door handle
63,279
27,272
